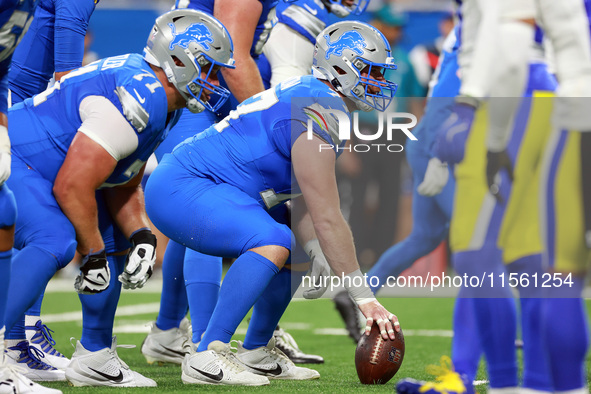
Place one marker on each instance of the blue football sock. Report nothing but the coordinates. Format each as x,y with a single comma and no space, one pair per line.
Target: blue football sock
536,372
497,339
203,275
244,283
4,280
98,310
565,334
465,346
38,266
270,307
173,300
18,329
35,310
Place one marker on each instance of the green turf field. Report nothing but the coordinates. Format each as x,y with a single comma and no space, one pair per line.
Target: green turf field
315,325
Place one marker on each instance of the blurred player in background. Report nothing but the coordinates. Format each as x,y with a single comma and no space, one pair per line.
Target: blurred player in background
570,35
291,42
95,129
15,17
53,46
250,155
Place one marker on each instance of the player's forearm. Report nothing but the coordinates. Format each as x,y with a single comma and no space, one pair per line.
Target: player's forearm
79,206
245,80
336,242
126,205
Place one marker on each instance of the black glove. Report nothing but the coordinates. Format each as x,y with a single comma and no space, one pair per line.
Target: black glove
140,260
95,274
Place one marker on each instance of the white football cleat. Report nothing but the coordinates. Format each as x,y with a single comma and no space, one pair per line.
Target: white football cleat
271,362
285,342
168,346
218,365
103,368
39,337
12,381
30,360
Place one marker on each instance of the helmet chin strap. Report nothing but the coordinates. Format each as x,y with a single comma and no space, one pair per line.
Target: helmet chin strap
195,106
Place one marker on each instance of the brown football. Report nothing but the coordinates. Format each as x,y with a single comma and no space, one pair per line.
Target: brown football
377,360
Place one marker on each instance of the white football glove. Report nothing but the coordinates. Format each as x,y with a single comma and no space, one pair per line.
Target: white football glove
435,179
319,270
5,160
95,275
140,260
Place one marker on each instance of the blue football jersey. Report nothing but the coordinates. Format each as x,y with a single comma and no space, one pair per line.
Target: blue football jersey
307,17
251,148
54,42
43,127
266,21
15,18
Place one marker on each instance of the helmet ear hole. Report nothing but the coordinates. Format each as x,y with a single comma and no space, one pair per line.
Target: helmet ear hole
178,61
340,70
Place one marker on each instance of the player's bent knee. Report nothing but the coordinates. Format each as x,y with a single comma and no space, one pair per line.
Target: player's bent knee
275,253
63,249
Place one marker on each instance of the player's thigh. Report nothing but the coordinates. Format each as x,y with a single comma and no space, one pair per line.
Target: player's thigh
40,220
562,211
114,240
215,219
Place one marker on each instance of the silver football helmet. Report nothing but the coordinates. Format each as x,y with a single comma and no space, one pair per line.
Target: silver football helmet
353,57
202,44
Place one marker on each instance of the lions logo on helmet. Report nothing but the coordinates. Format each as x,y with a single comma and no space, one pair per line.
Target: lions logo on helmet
349,40
197,32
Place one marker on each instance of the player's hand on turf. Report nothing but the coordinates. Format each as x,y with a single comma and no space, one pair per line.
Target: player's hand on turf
5,160
496,162
140,260
386,321
452,135
95,275
435,179
319,273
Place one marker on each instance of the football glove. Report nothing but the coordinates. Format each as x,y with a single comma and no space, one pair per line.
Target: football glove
5,160
95,275
495,162
140,260
452,135
436,177
319,270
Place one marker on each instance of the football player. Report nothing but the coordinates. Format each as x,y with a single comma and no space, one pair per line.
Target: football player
249,23
291,42
53,43
94,130
15,17
238,170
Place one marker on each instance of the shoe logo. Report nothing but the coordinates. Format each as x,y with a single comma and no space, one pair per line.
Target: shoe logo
140,98
182,354
218,377
116,378
275,372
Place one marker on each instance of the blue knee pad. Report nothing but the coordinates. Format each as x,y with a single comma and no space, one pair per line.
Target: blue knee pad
7,207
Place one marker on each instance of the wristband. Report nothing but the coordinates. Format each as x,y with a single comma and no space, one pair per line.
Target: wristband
360,294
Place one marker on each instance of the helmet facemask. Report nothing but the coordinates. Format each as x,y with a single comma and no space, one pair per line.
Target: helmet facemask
373,90
200,87
342,11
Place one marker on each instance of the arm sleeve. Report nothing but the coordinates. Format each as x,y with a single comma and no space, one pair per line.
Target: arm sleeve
105,125
71,23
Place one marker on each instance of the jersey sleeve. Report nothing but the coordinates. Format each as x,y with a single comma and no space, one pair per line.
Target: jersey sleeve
71,23
142,100
105,125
